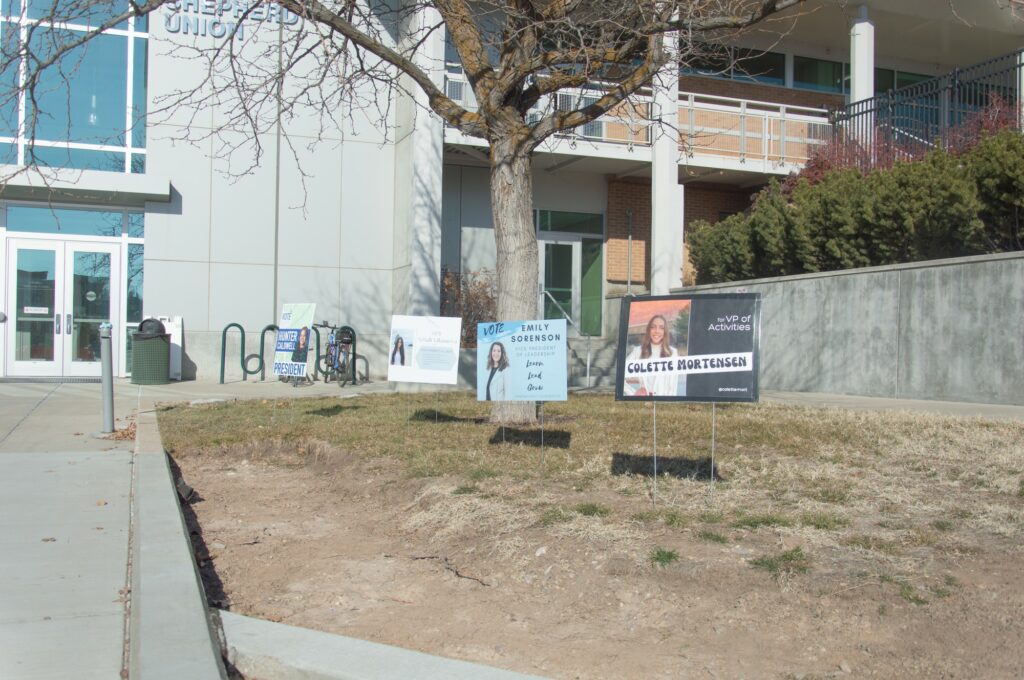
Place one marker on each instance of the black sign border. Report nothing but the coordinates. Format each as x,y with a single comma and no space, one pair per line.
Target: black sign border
620,354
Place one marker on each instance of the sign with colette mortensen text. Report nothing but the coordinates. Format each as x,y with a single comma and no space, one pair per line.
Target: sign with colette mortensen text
700,347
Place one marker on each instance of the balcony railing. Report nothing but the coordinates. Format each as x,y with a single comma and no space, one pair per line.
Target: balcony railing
745,130
939,113
709,126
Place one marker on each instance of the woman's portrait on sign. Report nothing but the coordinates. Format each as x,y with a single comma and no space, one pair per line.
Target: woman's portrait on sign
496,373
658,329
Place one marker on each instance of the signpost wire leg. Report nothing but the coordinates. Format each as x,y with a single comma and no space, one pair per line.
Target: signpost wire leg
654,421
712,451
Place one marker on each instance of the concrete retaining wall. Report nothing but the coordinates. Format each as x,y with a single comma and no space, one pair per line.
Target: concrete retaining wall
946,329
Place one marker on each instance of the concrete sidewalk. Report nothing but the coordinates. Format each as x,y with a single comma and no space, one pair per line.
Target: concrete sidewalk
70,530
98,576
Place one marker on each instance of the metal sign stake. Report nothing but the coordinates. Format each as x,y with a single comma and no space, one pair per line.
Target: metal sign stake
712,451
542,433
654,421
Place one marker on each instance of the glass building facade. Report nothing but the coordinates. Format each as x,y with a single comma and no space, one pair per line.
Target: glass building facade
88,110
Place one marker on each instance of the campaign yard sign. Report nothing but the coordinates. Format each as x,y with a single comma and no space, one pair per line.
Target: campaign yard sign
699,347
424,349
521,360
293,339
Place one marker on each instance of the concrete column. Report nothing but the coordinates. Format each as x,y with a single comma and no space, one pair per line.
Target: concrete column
666,192
862,57
420,149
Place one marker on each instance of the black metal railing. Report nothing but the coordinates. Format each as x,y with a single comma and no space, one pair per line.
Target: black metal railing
943,112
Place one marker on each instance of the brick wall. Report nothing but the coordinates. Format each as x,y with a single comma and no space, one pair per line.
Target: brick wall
706,201
626,195
738,89
703,201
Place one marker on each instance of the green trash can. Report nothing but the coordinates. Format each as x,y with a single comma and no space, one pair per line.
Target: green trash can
151,354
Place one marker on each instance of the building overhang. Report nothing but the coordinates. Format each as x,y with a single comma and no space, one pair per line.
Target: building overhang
931,36
82,186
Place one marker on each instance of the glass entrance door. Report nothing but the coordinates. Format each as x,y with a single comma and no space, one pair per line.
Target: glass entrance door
59,292
573,273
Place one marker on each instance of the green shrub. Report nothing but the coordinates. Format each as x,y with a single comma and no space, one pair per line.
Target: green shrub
944,205
996,165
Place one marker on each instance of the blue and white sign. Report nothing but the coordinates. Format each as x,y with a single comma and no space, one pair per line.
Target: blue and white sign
424,349
291,353
521,360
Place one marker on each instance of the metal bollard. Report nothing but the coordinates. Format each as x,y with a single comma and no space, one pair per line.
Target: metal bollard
107,369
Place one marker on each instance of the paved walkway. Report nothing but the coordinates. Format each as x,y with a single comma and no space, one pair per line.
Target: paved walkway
65,521
66,511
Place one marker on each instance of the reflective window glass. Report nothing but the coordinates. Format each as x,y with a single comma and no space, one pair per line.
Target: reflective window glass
134,279
92,109
139,60
64,221
709,60
8,154
11,8
142,23
138,164
136,225
571,222
9,80
35,304
904,79
91,12
763,67
90,304
817,74
885,80
78,159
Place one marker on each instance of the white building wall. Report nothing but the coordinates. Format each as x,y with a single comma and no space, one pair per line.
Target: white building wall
324,188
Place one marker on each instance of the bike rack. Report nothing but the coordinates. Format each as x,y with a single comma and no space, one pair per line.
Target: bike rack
223,350
244,360
316,360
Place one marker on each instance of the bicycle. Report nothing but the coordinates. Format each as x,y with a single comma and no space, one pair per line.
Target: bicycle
338,361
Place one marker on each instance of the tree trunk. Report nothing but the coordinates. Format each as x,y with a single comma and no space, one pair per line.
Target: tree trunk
516,240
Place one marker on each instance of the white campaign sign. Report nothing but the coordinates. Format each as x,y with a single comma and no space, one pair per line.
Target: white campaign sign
424,349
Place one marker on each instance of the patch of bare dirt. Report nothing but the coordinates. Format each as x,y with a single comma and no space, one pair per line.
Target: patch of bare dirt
355,547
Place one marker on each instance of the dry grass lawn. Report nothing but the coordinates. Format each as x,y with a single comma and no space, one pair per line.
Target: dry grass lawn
833,542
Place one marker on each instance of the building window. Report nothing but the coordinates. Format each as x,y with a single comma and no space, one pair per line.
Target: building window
885,80
570,222
89,108
818,74
904,79
736,63
762,67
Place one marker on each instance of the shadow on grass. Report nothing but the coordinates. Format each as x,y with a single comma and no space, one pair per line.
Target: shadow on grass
556,439
681,468
429,415
329,411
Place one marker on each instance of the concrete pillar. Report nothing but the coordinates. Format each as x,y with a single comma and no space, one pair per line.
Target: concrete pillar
862,57
666,192
420,159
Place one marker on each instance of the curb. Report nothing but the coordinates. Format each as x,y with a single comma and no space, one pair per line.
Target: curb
170,634
264,649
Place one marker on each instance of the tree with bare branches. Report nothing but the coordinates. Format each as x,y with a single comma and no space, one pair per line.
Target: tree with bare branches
336,57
